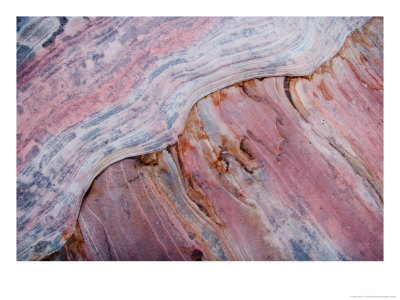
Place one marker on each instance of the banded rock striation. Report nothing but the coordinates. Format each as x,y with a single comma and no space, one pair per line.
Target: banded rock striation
280,168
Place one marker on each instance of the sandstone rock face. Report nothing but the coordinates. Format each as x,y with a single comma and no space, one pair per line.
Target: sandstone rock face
281,168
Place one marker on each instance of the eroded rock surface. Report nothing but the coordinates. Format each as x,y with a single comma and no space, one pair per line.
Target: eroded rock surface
92,91
283,168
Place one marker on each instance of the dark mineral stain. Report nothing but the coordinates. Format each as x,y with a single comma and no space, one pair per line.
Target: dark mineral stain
203,210
20,109
40,246
51,40
24,56
165,66
91,135
97,56
245,149
25,198
104,116
197,255
23,52
286,87
298,250
32,153
21,223
41,181
21,21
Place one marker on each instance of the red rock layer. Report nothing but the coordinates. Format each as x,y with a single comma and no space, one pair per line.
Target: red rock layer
274,169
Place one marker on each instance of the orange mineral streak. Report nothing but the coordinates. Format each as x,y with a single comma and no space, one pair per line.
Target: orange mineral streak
73,249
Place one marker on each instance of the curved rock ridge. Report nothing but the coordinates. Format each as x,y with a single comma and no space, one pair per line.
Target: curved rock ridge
92,91
283,168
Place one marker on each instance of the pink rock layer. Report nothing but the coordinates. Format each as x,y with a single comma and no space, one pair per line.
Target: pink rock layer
276,169
92,91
